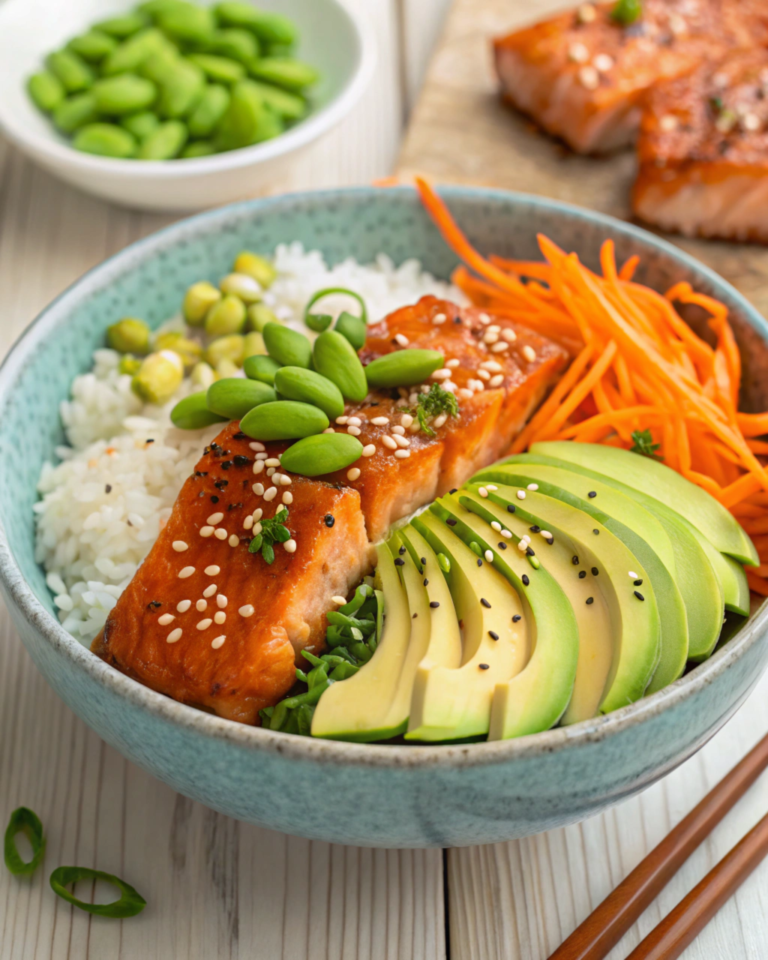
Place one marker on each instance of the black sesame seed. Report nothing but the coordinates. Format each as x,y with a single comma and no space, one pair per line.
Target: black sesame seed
639,595
529,552
590,600
638,583
484,666
239,435
226,464
220,484
453,491
154,603
401,551
595,571
525,579
423,561
592,494
451,522
150,440
501,545
426,582
479,562
457,319
575,561
516,618
492,635
108,488
485,603
214,499
582,574
596,532
434,604
399,562
201,473
241,461
414,616
329,519
535,528
511,508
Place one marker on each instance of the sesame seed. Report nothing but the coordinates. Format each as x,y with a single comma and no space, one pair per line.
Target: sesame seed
451,522
398,430
186,572
442,374
603,62
529,353
247,610
270,494
434,604
262,456
439,421
353,474
206,531
596,532
258,513
166,619
402,454
494,328
751,122
500,347
639,595
221,601
578,53
590,600
218,642
354,431
212,571
219,617
215,518
521,494
488,556
174,635
632,575
497,380
586,13
490,336
402,340
509,335
493,635
204,624
516,618
271,471
483,492
257,446
220,534
288,497
258,466
234,540
533,486
589,78
483,374
329,430
380,421
491,486
354,421
342,420
547,535
668,123
525,580
638,582
258,489
180,546
210,590
248,523
452,364
401,441
491,365
183,605
201,605
290,546
484,666
285,480
582,574
465,394
369,450
340,600
485,603
496,525
484,318
439,318
389,442
522,546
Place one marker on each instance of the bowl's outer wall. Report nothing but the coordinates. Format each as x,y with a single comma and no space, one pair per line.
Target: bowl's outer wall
459,799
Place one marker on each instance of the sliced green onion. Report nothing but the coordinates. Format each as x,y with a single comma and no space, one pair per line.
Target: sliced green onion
327,292
318,322
23,820
130,903
627,12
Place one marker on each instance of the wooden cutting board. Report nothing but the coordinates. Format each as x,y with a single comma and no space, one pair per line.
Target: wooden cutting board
460,132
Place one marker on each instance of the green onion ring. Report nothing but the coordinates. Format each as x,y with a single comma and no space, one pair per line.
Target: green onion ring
24,820
343,290
130,903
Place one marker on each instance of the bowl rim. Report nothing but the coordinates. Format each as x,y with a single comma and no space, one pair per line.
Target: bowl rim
305,132
486,753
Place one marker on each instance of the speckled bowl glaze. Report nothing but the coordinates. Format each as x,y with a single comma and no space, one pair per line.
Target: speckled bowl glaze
349,793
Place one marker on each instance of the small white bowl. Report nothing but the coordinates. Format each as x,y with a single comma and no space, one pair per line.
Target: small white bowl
335,37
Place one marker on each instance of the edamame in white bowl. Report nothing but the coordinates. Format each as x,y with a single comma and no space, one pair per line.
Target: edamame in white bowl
334,37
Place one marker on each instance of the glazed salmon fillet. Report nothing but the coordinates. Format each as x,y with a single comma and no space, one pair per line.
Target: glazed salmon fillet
703,152
583,77
209,623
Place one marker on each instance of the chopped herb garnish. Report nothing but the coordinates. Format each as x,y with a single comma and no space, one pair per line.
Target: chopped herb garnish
434,403
642,443
23,820
130,903
272,531
626,12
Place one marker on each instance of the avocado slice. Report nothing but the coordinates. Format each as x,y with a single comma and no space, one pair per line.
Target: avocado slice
642,534
593,619
535,698
454,704
359,707
688,544
661,483
635,623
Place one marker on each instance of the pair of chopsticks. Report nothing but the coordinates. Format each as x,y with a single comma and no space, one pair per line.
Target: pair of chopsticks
603,928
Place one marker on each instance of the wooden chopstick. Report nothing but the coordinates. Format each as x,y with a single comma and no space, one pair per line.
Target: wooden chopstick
605,926
677,930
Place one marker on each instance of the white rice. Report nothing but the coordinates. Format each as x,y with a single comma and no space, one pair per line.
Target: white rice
103,505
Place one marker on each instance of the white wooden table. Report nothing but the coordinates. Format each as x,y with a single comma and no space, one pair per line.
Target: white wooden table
220,889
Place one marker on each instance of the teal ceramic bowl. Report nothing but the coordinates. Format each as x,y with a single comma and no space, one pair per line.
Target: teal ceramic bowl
348,793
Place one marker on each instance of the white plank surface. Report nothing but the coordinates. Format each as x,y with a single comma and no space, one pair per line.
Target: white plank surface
216,888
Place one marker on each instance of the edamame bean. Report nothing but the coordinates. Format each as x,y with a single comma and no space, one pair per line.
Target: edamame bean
270,126
218,69
233,397
234,43
259,316
230,348
291,74
242,286
160,66
159,377
225,317
289,348
198,300
129,364
233,13
122,27
254,344
126,93
318,321
318,455
105,140
75,112
274,28
261,367
291,106
336,358
129,335
202,375
403,368
240,124
296,383
92,46
200,148
188,23
156,8
353,328
46,90
73,72
283,420
209,110
257,267
141,125
130,55
192,413
165,143
180,90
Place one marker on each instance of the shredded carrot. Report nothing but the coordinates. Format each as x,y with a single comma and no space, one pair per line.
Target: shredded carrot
637,366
